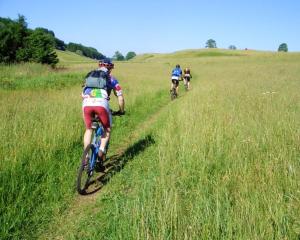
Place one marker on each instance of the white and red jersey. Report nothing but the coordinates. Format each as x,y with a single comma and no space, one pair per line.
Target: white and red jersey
100,97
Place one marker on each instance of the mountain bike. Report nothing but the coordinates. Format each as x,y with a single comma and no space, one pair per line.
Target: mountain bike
173,93
90,162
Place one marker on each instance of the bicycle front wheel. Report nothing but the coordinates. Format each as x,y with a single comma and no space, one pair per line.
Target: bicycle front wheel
85,171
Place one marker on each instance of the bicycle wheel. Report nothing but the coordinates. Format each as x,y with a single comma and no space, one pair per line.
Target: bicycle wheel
85,171
173,94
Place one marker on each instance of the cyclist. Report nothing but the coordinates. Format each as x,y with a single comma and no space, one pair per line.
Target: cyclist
96,102
113,85
176,76
187,77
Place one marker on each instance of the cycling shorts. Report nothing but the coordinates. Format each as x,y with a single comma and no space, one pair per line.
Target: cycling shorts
90,111
175,82
188,78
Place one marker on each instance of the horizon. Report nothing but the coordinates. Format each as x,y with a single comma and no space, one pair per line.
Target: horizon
153,27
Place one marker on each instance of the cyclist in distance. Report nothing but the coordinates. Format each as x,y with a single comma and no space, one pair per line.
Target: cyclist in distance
187,77
176,76
96,102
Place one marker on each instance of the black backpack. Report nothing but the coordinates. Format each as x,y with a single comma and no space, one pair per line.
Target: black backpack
97,79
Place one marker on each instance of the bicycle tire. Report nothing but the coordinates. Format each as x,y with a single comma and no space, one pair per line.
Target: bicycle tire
173,94
84,173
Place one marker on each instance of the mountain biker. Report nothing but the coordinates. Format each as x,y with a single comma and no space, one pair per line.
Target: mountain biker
187,77
176,76
96,102
113,85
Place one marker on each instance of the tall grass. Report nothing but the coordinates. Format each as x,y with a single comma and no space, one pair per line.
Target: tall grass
220,162
225,162
36,76
41,144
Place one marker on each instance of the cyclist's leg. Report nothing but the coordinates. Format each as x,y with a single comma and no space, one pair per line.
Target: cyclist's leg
177,86
87,116
105,120
172,84
184,81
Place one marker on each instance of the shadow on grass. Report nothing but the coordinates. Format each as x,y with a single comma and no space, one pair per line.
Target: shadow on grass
116,163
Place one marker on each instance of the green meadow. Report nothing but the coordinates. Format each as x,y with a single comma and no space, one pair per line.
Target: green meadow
222,161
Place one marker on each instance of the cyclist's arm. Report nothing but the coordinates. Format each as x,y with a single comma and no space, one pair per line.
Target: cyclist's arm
121,102
118,93
181,76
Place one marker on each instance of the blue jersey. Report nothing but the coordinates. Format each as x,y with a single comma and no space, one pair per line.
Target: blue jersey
176,72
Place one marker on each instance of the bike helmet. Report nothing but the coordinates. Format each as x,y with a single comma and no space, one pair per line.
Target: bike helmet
106,62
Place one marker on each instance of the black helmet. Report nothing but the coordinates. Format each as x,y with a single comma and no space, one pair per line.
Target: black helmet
106,62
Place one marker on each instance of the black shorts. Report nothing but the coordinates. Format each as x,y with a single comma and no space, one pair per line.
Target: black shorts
176,82
187,78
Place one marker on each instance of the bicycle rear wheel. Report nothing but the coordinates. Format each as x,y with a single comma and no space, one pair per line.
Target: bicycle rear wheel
85,171
173,94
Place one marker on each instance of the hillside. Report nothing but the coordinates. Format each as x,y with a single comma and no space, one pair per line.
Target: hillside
67,58
219,162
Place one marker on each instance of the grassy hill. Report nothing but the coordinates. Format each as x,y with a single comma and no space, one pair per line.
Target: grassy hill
70,70
68,58
219,162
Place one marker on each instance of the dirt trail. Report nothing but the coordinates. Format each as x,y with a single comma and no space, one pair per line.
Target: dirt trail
75,210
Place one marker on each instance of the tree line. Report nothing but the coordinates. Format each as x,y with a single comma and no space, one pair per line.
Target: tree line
18,44
211,43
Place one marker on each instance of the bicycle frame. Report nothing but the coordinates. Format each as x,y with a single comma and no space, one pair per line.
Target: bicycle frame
89,159
98,131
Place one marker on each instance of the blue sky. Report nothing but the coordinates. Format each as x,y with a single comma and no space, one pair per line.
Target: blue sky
162,26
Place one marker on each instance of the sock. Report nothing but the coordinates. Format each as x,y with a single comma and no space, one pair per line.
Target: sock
102,150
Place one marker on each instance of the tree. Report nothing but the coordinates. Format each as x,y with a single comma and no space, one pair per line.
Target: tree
232,47
86,51
60,44
118,56
12,34
18,43
283,47
210,43
130,55
39,47
45,30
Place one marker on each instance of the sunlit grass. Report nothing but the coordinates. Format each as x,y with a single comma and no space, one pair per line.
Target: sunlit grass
224,161
67,58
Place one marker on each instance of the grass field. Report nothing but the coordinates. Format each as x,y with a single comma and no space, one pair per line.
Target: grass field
220,162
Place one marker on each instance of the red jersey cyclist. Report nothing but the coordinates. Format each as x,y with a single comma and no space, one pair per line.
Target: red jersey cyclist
96,102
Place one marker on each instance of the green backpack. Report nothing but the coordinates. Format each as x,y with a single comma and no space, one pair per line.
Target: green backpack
97,79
